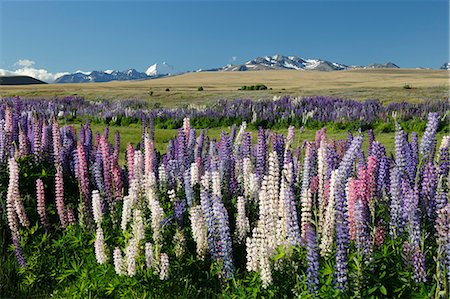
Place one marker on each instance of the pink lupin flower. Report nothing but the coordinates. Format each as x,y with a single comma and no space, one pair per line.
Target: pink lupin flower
59,195
353,194
40,195
117,180
13,192
71,216
83,178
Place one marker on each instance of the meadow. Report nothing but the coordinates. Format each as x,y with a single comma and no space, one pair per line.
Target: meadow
387,85
316,197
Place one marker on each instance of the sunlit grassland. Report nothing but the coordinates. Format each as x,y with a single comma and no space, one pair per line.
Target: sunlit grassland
387,85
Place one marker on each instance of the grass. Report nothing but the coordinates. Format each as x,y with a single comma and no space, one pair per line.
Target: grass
383,84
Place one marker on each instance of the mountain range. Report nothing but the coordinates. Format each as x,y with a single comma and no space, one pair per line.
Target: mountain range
275,62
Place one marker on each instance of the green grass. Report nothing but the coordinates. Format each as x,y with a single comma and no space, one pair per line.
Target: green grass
132,134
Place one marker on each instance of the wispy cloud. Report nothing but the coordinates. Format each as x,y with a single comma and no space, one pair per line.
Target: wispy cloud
233,58
26,68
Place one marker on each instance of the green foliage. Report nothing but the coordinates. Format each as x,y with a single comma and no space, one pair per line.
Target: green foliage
253,87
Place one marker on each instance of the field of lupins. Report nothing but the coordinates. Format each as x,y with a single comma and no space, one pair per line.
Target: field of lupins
224,218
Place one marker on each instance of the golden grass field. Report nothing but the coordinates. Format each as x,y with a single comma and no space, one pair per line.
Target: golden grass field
383,84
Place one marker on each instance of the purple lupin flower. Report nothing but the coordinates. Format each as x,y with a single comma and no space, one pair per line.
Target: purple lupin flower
428,142
418,262
342,226
19,253
225,248
442,226
428,189
312,257
261,154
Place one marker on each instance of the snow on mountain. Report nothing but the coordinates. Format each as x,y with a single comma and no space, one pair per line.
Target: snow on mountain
158,69
280,62
109,75
445,66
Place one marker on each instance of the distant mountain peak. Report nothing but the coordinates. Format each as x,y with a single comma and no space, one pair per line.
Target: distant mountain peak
445,66
153,71
281,62
387,65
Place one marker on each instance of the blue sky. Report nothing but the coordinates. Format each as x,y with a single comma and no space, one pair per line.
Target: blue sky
87,35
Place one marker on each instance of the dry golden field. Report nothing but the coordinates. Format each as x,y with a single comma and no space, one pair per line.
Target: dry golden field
383,84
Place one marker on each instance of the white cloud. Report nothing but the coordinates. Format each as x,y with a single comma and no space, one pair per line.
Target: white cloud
26,69
25,63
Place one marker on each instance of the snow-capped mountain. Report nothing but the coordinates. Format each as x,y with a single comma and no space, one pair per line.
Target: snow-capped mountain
160,69
280,62
111,75
387,65
445,66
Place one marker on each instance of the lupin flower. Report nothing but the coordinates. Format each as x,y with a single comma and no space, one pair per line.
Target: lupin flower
312,257
59,196
13,194
242,223
149,256
118,262
19,253
199,231
428,142
40,195
164,267
83,179
100,247
180,242
261,153
342,237
97,207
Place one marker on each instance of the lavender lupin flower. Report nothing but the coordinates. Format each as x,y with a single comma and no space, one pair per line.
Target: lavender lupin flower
342,229
312,257
428,142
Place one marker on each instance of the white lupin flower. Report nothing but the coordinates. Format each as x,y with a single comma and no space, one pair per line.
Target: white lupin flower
149,256
118,262
240,135
171,194
138,226
126,212
130,255
180,243
199,231
164,266
96,207
162,175
215,183
329,221
186,126
321,171
242,223
157,216
194,174
100,247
